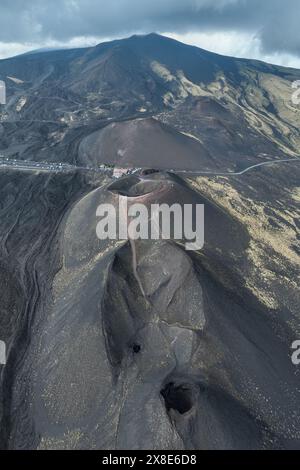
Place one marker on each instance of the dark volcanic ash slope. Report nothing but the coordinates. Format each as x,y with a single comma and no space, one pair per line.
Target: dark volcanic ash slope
142,143
186,351
32,208
183,356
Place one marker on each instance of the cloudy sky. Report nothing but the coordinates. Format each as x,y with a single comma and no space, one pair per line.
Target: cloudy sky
262,29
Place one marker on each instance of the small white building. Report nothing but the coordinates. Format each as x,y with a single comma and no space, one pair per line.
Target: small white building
118,172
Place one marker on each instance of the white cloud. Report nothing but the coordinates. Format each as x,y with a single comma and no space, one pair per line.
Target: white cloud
11,49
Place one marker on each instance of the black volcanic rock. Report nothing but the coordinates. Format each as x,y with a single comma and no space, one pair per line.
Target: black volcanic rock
202,370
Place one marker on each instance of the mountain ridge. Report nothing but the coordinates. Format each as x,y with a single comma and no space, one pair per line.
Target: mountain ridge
238,109
140,37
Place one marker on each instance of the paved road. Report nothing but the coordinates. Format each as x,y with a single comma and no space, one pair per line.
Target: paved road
237,173
57,167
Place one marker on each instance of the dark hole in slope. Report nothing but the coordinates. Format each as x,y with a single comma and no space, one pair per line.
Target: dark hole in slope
177,397
136,348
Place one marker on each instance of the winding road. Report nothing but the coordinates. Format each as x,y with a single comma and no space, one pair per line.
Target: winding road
238,173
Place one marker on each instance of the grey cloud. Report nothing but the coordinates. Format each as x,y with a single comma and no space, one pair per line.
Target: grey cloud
275,22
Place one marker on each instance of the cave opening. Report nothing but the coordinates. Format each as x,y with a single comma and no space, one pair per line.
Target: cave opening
178,398
136,348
